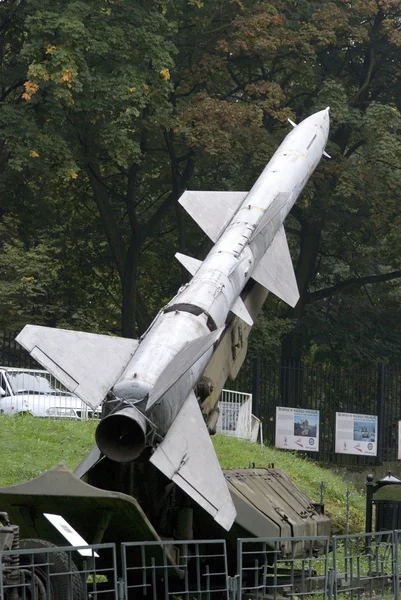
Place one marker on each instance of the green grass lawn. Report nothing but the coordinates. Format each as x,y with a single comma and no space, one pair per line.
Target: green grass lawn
30,446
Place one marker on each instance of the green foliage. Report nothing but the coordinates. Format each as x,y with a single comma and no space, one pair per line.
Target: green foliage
276,59
94,83
268,332
110,109
53,279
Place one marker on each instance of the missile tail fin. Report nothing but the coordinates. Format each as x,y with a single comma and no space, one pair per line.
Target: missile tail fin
241,311
212,211
87,364
187,457
275,271
191,264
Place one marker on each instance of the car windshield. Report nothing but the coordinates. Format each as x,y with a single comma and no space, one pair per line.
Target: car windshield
36,383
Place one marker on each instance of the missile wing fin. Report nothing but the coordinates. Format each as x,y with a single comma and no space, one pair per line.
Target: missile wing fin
275,271
187,457
191,264
181,363
239,309
87,364
212,211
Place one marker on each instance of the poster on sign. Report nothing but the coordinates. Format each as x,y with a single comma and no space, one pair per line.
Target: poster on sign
356,434
297,429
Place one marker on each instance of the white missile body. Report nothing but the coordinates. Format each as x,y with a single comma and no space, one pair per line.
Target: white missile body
153,380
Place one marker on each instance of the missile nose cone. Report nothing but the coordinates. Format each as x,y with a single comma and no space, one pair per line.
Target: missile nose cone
323,114
326,114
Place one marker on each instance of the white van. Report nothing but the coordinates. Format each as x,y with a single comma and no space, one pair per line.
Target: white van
40,394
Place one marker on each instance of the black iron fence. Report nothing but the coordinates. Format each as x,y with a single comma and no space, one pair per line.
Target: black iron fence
329,389
353,567
14,355
323,387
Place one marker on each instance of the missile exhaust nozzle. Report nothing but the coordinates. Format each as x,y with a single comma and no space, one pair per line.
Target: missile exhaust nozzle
121,436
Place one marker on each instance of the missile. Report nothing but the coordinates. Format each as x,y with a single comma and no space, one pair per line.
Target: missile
150,382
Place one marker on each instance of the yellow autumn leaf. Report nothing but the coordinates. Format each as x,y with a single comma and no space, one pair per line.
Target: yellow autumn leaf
50,49
34,154
165,74
73,175
132,90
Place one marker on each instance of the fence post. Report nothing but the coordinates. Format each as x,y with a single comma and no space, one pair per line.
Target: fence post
256,376
396,580
333,576
234,593
329,591
380,411
120,589
369,509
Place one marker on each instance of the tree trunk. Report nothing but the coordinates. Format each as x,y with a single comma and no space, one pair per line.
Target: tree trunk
129,292
291,372
292,345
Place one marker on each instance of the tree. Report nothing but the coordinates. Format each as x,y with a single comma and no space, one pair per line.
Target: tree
96,96
277,59
123,105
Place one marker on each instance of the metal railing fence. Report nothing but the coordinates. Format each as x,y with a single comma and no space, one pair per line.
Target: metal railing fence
365,565
39,393
349,567
187,569
59,573
235,416
265,570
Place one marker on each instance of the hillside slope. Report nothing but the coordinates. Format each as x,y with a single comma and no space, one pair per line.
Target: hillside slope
30,446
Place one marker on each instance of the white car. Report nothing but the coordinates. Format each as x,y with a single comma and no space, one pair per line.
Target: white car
38,393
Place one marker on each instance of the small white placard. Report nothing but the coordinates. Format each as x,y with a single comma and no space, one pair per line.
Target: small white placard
356,434
69,533
297,429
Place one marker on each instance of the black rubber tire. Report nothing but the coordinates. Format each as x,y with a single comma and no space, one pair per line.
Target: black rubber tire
60,584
